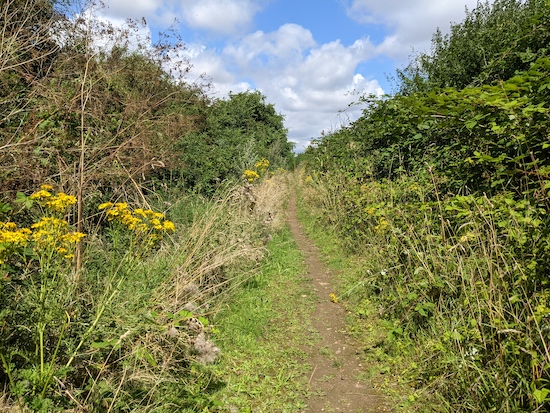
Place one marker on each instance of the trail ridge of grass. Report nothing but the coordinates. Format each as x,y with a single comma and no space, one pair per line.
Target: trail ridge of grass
264,333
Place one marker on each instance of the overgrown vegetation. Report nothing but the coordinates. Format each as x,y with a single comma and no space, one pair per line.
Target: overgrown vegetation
92,106
126,218
443,189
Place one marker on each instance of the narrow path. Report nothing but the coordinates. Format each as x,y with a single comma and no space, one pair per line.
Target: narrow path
336,359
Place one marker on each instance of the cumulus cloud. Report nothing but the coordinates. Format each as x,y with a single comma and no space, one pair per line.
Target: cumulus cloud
410,23
309,83
223,17
136,9
309,113
332,65
260,49
207,64
310,110
219,16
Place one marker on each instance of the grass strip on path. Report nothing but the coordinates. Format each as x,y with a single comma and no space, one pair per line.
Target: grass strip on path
263,332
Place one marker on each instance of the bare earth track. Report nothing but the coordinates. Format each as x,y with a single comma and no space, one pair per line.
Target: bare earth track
336,359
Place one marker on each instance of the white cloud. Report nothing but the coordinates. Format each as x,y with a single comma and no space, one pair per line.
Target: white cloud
288,43
206,62
410,23
135,9
308,83
332,65
219,16
310,110
224,17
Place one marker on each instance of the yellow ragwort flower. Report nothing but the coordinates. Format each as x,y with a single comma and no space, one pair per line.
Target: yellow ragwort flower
60,202
146,223
261,166
140,212
9,234
54,233
250,175
42,194
382,225
105,205
168,226
7,226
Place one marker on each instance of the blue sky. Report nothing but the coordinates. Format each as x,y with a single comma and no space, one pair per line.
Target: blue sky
310,58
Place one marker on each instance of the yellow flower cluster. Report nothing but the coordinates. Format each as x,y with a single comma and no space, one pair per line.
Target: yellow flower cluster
370,210
10,234
58,203
47,234
382,225
250,175
12,237
54,234
140,221
261,166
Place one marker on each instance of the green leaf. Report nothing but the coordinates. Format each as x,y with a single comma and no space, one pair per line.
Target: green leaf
541,395
104,344
470,124
146,354
5,208
185,314
27,201
217,403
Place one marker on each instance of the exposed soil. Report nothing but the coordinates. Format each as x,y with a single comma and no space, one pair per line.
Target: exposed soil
336,359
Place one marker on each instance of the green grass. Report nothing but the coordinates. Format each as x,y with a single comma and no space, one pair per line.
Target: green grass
263,332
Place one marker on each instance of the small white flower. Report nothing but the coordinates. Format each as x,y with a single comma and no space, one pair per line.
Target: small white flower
471,353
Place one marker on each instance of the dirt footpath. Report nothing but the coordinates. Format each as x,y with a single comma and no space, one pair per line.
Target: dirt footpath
336,359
